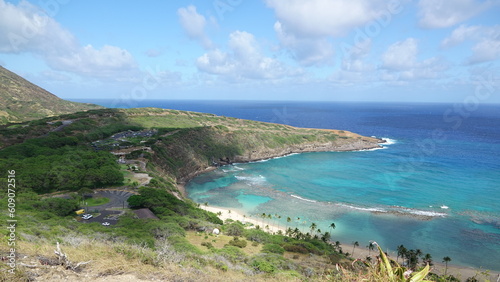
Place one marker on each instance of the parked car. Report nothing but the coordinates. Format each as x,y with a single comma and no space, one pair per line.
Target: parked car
106,223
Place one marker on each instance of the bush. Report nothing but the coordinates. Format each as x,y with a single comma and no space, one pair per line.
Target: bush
181,244
257,235
263,266
234,229
58,206
270,263
273,248
208,245
232,253
238,243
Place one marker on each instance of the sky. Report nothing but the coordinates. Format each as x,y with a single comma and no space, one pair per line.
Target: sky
321,50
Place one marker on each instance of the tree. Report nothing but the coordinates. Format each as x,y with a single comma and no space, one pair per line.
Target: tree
288,220
446,260
337,246
325,236
354,245
370,247
428,259
313,227
401,252
136,201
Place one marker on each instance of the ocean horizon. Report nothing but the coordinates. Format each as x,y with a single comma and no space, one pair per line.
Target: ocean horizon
433,186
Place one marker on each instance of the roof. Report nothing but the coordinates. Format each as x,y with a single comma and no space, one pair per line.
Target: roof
145,213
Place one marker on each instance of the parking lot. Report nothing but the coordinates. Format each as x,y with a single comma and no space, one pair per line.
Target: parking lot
117,199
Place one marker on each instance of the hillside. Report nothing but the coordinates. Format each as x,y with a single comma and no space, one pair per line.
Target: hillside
20,100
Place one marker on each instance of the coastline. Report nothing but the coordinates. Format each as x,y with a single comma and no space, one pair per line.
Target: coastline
359,145
461,272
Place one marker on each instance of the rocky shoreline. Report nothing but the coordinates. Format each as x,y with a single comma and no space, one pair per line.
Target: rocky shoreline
366,143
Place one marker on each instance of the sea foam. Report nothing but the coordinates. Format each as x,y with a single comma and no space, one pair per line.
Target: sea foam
300,198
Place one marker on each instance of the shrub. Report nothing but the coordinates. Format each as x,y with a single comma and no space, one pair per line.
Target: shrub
232,253
257,235
234,229
238,243
263,266
273,248
208,245
270,263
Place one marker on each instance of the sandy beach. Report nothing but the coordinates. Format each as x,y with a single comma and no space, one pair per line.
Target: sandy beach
360,252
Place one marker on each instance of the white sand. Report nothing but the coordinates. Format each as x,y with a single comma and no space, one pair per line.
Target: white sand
360,252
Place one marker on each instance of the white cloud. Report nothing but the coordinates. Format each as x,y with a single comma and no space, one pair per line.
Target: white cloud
400,63
194,25
486,50
401,55
315,18
245,60
105,62
459,35
306,51
305,28
486,38
446,13
354,59
26,28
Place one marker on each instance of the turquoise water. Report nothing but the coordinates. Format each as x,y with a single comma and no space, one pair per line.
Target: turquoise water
436,194
351,190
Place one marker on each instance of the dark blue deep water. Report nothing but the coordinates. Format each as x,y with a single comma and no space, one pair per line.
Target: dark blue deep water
435,186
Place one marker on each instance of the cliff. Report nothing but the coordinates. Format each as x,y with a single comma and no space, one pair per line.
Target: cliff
21,100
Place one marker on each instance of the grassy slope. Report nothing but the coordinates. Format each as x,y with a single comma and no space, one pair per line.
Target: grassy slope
20,100
201,138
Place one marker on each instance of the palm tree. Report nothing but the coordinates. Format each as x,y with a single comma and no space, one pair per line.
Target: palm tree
325,236
337,246
401,252
354,245
313,227
332,226
428,259
288,220
446,260
263,215
318,231
370,247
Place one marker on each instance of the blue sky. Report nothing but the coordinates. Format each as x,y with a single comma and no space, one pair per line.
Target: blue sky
334,50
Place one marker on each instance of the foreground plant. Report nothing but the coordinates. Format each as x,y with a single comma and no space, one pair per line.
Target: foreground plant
386,269
398,273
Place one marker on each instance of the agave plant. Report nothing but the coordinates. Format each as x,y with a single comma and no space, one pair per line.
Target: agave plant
392,271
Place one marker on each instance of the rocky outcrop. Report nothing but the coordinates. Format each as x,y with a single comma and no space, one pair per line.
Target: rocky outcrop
351,145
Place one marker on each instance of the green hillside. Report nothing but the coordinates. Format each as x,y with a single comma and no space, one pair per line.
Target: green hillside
20,100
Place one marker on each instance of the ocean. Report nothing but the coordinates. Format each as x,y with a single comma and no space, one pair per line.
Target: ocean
434,186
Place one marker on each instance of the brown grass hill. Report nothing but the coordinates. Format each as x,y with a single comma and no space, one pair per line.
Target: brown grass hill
21,100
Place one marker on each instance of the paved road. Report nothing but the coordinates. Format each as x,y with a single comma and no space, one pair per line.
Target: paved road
105,216
117,199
